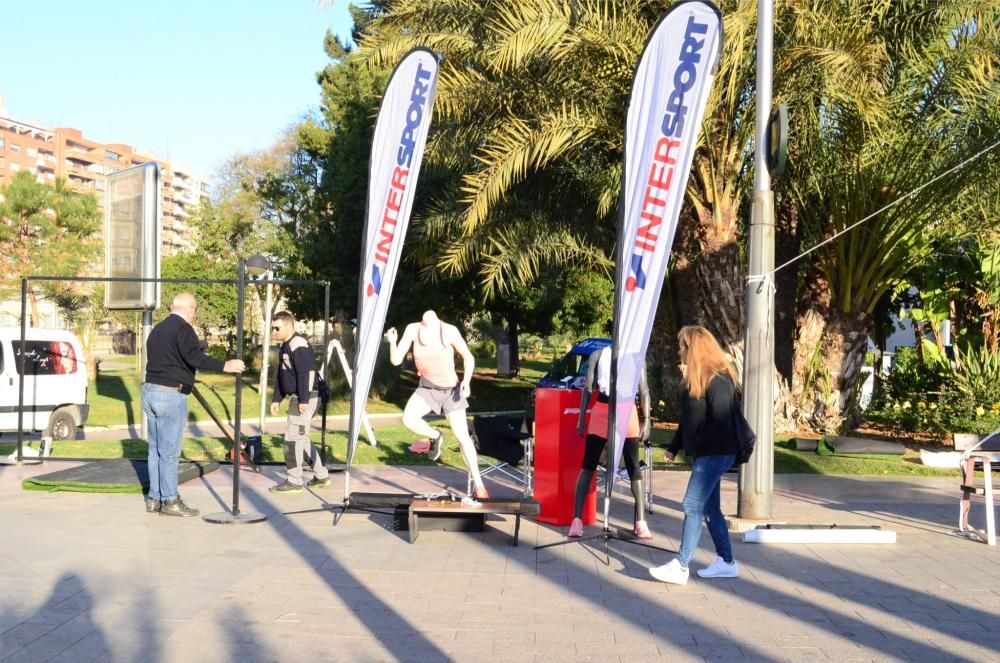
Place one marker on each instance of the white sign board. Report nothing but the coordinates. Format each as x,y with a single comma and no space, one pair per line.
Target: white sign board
132,237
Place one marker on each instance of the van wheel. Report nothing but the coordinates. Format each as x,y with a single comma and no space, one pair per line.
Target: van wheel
62,425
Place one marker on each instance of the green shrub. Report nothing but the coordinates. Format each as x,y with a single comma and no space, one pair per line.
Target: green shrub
484,349
218,351
932,397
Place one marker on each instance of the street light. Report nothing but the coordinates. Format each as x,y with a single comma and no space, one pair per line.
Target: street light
235,517
257,265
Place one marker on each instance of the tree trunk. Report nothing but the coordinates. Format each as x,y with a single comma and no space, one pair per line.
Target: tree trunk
505,333
829,354
515,356
33,301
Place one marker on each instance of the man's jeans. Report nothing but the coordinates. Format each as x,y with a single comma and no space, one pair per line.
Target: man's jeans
166,415
702,501
298,446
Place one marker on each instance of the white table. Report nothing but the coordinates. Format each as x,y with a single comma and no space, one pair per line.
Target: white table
987,457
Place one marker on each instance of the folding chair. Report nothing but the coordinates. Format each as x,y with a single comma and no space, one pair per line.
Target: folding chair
504,445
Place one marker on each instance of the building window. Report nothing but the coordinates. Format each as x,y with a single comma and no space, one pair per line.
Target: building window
15,166
32,152
14,147
111,156
2,142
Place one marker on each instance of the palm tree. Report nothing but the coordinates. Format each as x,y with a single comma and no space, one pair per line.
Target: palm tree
530,114
930,101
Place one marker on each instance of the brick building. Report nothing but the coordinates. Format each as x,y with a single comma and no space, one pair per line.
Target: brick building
85,164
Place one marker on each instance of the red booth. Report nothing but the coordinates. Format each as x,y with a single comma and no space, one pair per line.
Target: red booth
558,457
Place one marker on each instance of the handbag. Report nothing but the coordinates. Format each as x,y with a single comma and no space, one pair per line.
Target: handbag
746,439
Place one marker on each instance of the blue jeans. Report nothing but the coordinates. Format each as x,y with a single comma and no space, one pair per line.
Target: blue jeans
701,500
166,416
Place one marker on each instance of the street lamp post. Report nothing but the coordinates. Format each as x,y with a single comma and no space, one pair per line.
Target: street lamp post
756,479
259,266
235,516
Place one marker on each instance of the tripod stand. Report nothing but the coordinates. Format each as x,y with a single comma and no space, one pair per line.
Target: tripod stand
607,534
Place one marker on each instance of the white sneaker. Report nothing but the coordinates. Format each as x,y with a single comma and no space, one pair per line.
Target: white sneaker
434,452
671,572
720,568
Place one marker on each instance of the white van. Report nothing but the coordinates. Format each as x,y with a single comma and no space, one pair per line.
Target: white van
55,382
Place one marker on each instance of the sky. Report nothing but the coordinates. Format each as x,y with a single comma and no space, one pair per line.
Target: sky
192,81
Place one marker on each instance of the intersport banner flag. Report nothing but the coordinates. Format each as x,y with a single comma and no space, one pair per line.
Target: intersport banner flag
397,150
669,93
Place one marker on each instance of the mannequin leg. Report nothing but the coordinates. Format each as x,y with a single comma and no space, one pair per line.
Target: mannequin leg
631,455
582,489
460,427
413,417
639,495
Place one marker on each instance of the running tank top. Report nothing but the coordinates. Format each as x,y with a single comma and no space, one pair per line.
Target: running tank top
435,361
598,422
602,376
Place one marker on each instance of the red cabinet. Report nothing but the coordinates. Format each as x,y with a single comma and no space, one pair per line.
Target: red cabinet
558,457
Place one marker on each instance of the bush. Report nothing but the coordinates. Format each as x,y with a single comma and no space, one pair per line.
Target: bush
218,351
931,397
485,349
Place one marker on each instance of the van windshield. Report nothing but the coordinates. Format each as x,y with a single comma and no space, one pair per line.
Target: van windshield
45,357
570,366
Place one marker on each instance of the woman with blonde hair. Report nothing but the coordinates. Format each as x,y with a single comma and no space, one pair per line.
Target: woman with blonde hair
709,441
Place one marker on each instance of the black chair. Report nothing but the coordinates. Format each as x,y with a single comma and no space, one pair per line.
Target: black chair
504,445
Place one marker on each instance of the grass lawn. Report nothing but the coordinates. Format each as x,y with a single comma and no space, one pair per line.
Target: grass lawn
115,400
395,440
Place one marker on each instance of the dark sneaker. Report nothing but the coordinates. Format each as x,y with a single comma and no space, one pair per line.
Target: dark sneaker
435,451
152,506
286,488
176,507
319,483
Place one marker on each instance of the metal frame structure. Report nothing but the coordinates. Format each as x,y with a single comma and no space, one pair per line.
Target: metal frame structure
233,516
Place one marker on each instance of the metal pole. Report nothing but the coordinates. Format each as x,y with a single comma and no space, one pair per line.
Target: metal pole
265,353
326,364
240,293
20,371
756,479
147,327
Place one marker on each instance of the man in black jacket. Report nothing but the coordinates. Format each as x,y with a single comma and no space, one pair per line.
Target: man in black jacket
173,355
297,378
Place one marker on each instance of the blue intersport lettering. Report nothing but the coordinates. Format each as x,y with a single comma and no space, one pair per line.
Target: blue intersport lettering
414,115
398,180
684,78
661,171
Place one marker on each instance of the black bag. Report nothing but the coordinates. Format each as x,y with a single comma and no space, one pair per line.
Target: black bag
323,387
746,439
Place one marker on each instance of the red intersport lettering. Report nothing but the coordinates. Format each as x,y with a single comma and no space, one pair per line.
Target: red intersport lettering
392,205
399,177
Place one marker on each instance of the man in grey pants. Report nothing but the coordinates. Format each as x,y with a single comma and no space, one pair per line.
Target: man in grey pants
297,378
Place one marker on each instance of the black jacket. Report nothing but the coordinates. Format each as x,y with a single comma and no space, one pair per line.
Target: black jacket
297,375
706,427
173,354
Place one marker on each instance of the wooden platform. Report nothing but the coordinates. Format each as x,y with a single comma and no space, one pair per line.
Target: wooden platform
455,509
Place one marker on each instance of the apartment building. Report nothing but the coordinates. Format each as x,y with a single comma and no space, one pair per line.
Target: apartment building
85,164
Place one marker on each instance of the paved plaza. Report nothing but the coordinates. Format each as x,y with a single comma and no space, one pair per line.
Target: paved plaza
92,577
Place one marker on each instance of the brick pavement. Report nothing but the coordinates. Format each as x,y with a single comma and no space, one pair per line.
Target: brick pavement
94,578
